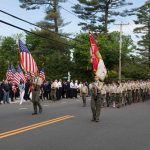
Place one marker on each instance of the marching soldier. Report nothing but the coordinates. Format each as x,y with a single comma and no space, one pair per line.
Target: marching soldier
103,95
142,88
108,95
147,90
133,89
59,89
36,83
119,95
129,92
113,94
124,93
84,93
96,99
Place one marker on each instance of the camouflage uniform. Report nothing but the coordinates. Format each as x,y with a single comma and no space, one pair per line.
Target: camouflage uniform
36,83
96,100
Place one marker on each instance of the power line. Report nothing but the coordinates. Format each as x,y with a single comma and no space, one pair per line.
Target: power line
39,3
58,6
69,11
74,14
37,34
36,25
32,32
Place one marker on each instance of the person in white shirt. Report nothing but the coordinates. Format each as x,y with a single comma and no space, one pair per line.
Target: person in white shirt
59,91
75,89
54,87
71,89
80,85
21,90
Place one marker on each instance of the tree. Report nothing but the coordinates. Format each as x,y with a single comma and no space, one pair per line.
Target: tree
109,49
53,18
137,70
52,51
81,59
98,14
8,54
143,19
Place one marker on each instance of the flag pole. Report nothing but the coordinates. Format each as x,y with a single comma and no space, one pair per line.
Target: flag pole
17,43
91,53
94,72
8,63
18,53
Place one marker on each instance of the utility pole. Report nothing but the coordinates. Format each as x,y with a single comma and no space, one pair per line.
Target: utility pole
120,49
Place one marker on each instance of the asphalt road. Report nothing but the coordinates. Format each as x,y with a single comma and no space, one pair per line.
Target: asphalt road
127,128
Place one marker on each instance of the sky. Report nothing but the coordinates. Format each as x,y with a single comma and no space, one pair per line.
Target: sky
12,7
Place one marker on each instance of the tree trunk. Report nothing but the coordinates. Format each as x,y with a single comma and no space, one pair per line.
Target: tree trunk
55,19
106,17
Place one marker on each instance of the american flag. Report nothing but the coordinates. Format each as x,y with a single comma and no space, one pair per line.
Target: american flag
9,74
26,60
42,74
20,73
27,75
32,74
15,79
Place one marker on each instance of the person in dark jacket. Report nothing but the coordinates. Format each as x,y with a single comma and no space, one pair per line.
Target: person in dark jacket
6,90
27,86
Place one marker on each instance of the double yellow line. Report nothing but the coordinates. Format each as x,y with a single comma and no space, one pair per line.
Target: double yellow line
33,126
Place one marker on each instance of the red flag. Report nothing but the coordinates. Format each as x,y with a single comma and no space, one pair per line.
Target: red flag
94,51
96,59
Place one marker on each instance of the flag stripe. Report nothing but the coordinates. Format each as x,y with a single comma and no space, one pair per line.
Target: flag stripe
26,59
98,64
9,74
